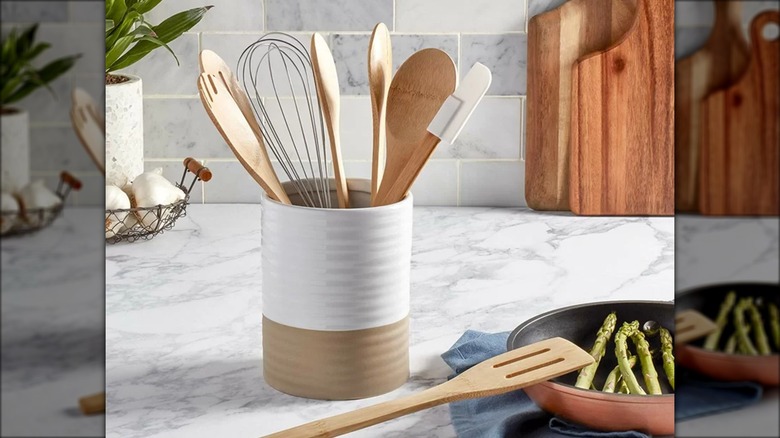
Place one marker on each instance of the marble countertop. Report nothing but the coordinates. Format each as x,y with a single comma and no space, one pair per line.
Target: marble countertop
52,326
183,310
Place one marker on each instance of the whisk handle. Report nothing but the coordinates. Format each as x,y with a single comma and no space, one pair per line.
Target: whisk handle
194,166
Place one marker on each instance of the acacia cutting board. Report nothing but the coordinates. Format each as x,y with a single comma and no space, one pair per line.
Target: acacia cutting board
556,39
622,139
740,132
721,60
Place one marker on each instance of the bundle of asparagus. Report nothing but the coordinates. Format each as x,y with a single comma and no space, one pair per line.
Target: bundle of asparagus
747,320
622,379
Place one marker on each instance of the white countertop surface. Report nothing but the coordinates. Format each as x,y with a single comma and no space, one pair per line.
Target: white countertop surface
52,326
725,250
183,310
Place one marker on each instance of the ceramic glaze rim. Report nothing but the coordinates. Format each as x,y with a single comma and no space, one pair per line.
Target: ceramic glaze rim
332,269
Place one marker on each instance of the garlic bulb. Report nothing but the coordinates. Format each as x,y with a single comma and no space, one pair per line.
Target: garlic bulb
116,199
35,196
10,209
151,189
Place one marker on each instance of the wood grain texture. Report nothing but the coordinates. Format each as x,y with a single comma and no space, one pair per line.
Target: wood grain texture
740,133
380,74
506,372
556,39
721,60
622,139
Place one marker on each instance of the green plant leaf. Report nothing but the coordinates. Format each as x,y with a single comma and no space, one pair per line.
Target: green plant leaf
167,31
44,76
117,50
145,6
115,10
109,26
130,19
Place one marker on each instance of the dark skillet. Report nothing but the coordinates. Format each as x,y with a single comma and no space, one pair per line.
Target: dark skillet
719,365
596,409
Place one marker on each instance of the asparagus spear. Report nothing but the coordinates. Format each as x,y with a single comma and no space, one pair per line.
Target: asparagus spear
744,343
711,343
762,342
667,348
731,343
614,376
774,321
646,360
622,387
585,378
621,352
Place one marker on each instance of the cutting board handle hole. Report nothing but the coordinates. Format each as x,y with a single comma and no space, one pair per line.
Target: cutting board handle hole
770,32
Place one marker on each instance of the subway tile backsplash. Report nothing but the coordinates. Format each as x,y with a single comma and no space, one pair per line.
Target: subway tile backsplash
485,165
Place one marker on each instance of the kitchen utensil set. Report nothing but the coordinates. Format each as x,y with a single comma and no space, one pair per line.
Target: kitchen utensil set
506,372
411,112
89,126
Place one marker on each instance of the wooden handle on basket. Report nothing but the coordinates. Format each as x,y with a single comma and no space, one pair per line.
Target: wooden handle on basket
194,166
71,180
93,404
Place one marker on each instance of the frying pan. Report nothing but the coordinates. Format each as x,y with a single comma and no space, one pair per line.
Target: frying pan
719,365
596,409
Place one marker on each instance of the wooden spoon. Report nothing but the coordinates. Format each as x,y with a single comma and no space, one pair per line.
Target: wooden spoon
691,325
506,372
418,90
380,73
327,82
230,122
89,127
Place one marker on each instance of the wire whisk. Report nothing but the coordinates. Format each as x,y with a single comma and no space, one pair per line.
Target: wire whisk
295,135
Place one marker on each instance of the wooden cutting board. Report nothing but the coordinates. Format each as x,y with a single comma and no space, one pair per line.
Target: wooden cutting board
738,172
622,139
556,39
721,60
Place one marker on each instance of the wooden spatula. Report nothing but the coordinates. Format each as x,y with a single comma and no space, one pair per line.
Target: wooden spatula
510,371
230,122
328,92
89,126
691,325
380,73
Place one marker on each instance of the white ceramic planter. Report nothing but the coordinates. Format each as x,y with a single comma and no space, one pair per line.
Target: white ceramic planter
124,131
336,286
15,150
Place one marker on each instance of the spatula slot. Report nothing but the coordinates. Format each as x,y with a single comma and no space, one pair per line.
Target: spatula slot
519,358
534,368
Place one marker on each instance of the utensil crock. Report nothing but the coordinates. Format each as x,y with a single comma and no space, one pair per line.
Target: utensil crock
336,295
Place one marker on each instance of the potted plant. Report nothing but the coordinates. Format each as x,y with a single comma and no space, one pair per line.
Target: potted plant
129,38
20,77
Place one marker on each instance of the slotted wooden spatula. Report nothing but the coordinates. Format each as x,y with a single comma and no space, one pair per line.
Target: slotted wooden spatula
506,372
230,122
691,325
89,126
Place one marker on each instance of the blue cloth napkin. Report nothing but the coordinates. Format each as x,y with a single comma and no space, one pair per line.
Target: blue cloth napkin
507,415
698,396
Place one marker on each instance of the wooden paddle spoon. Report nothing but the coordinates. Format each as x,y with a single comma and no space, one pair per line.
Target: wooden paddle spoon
506,372
691,325
417,92
380,73
230,122
328,93
89,126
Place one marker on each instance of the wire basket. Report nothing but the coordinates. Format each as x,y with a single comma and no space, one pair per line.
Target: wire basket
143,223
35,219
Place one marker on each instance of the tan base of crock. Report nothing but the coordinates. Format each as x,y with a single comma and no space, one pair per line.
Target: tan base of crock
335,365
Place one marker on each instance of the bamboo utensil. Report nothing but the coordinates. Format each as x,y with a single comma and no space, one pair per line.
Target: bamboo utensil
93,404
691,325
89,126
329,96
506,372
722,59
230,122
380,74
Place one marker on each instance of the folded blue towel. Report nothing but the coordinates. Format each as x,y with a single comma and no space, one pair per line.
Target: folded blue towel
697,396
507,415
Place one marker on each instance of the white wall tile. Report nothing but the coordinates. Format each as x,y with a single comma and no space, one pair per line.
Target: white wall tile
55,149
34,11
357,133
230,183
161,74
179,128
492,183
504,55
226,15
351,51
335,15
493,131
460,15
437,184
87,11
